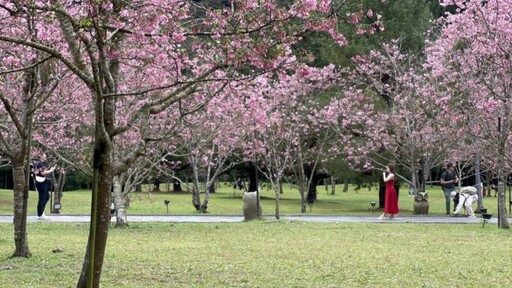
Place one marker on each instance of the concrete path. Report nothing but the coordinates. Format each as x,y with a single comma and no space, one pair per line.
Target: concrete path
239,218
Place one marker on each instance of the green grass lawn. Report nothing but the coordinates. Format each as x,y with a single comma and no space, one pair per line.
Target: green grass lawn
267,254
226,202
262,253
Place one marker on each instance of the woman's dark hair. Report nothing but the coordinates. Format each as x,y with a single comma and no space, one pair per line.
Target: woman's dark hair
391,168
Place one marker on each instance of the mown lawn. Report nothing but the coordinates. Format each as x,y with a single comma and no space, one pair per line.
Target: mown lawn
228,202
267,254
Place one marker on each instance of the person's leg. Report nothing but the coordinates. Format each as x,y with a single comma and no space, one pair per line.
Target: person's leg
46,194
447,193
469,205
42,198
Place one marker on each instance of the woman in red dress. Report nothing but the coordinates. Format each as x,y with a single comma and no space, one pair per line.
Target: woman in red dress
390,198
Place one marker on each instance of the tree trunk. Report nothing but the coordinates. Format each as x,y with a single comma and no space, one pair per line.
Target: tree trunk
176,186
58,187
100,215
421,204
277,190
312,192
501,206
196,198
211,186
211,189
21,174
478,182
302,180
121,219
333,185
345,184
19,193
416,187
253,182
100,199
503,134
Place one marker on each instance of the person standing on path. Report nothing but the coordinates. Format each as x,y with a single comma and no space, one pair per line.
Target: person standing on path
448,180
391,199
41,174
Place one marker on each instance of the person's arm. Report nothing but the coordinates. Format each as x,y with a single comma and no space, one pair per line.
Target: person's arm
390,176
49,171
444,181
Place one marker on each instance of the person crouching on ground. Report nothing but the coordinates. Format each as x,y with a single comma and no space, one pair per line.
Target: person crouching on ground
467,197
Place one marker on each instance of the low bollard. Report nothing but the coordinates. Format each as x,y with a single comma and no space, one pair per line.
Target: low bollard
250,207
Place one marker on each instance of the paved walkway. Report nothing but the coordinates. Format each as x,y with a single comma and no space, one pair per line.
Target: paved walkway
239,218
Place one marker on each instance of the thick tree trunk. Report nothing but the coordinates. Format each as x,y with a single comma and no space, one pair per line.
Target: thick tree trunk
311,193
101,191
253,182
345,184
121,219
20,160
20,185
211,189
501,206
100,216
176,186
333,185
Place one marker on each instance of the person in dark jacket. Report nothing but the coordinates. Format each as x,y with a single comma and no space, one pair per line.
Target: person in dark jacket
42,180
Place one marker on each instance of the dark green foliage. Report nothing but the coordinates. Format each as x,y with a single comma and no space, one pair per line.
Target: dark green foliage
77,180
407,20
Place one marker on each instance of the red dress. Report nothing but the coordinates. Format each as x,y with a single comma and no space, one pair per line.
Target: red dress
390,200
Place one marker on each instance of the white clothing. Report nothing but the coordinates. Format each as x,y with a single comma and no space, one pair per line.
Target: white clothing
466,200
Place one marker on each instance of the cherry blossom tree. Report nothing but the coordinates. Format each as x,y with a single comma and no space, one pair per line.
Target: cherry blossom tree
15,132
28,79
471,57
212,138
387,115
281,111
147,56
